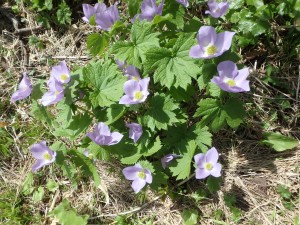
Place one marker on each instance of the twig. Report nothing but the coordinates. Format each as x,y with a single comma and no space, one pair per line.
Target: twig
27,30
15,23
10,17
71,57
138,209
54,200
298,85
135,210
275,89
240,182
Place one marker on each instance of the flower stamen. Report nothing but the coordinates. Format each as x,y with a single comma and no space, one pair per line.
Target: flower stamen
210,50
47,156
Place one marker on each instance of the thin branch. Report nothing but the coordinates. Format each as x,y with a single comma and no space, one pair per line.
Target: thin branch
298,85
145,205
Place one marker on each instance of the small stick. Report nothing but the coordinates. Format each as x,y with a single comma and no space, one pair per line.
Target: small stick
298,85
138,209
27,30
71,57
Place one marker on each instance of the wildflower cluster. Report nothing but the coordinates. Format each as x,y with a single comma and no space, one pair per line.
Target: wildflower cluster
142,89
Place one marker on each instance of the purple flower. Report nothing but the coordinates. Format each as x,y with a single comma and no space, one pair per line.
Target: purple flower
24,89
166,160
107,17
43,154
185,3
61,73
211,44
216,9
90,12
88,154
130,71
135,91
135,131
55,93
149,10
207,164
230,78
103,136
121,65
139,176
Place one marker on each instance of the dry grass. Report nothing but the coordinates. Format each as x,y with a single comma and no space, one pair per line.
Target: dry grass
251,172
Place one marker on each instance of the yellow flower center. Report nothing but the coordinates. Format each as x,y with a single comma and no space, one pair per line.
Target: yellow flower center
135,78
231,82
64,77
138,95
142,175
210,50
56,92
208,166
47,156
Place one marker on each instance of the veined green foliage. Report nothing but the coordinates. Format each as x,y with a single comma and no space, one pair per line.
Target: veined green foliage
105,81
96,43
142,38
66,215
173,67
214,114
160,113
183,168
142,150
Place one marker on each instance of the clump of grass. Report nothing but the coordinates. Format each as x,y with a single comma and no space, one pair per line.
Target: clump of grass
14,210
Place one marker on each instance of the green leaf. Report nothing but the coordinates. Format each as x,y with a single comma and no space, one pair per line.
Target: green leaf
183,168
64,114
66,215
284,191
177,11
214,90
28,186
142,38
279,142
152,148
52,186
215,114
106,82
207,73
77,125
158,18
86,165
256,3
133,7
96,43
114,113
213,183
147,165
173,67
161,113
210,110
201,135
98,151
62,161
64,14
143,150
39,112
234,112
190,217
38,195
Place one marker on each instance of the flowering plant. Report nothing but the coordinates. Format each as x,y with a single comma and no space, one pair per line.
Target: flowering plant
143,91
